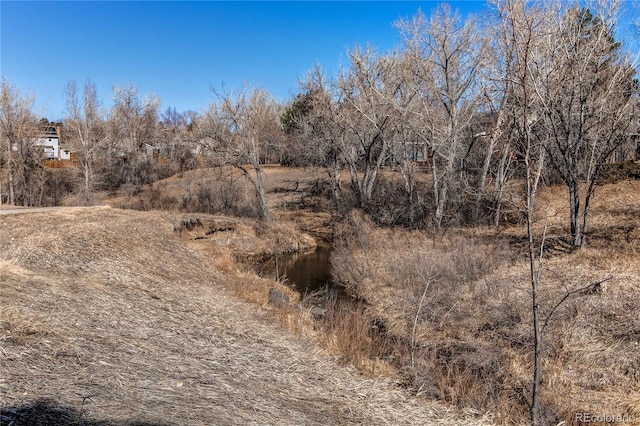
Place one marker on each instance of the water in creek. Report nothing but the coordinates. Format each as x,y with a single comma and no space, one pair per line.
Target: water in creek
306,272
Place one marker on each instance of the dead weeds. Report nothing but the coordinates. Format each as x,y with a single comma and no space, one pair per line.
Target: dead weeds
457,306
112,317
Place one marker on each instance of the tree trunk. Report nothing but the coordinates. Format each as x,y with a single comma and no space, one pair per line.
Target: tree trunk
356,184
87,171
409,185
258,185
574,199
487,162
265,215
533,276
436,186
591,186
442,197
501,183
537,340
335,182
12,196
443,191
482,181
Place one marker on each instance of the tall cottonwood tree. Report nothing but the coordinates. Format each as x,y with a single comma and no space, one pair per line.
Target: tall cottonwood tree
586,96
238,129
450,53
365,113
85,127
18,127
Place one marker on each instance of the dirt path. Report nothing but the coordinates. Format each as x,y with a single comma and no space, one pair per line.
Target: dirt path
109,318
7,210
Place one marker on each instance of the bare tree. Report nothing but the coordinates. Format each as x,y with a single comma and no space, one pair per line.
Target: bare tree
587,94
524,30
18,125
321,129
450,53
238,129
85,127
134,118
349,122
406,135
131,132
365,114
497,96
177,139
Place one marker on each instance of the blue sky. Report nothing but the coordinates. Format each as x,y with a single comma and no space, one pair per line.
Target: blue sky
180,50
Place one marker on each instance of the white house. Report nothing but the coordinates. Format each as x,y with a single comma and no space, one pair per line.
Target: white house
49,139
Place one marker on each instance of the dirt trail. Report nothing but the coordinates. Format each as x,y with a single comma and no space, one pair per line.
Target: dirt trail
108,317
7,210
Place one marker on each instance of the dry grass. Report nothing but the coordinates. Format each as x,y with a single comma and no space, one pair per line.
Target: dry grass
217,190
446,316
456,308
112,317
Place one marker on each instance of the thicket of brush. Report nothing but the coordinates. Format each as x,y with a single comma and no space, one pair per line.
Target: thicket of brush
452,316
213,191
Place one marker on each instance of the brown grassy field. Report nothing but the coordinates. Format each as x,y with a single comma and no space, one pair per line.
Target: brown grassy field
125,317
456,309
452,310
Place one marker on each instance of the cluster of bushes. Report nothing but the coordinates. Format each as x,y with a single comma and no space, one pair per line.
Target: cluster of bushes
114,173
221,193
437,311
616,172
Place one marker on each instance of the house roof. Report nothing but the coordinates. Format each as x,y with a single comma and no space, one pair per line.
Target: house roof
48,132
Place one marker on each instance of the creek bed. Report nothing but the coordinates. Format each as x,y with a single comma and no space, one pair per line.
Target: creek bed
306,272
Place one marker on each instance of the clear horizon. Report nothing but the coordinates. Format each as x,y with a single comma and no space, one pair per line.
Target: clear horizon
180,51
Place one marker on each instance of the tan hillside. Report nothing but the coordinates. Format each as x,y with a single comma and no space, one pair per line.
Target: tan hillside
113,317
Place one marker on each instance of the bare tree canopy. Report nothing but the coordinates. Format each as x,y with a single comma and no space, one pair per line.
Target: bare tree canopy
586,93
85,126
237,130
18,127
449,55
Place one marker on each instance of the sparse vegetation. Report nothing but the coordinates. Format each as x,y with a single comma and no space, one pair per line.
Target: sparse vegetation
457,315
616,172
439,172
117,317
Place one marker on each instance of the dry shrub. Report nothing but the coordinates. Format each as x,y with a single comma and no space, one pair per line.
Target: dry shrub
82,198
218,191
220,194
424,291
457,315
615,172
350,331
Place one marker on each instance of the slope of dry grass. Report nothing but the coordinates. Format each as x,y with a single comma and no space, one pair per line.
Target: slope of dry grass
113,317
456,310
